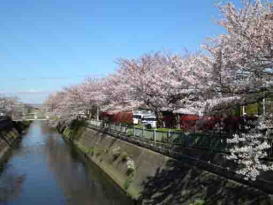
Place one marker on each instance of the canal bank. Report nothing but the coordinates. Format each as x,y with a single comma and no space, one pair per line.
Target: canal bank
154,178
10,134
126,164
44,169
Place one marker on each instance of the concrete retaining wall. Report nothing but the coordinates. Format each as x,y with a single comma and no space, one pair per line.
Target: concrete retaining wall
158,179
10,134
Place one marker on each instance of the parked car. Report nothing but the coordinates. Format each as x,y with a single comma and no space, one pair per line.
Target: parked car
149,121
137,118
2,115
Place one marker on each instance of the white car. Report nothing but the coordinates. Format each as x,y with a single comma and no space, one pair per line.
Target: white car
137,119
149,121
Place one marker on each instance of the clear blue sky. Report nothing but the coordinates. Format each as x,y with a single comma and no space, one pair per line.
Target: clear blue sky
48,44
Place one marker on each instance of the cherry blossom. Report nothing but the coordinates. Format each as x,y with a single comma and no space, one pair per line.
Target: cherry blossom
235,69
8,105
249,149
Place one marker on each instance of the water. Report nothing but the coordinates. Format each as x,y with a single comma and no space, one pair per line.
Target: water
46,170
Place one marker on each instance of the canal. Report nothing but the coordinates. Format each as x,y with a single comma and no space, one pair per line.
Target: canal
44,169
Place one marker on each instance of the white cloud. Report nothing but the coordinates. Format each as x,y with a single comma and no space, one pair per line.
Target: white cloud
29,96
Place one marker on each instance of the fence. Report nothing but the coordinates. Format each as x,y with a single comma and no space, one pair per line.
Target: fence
210,141
206,151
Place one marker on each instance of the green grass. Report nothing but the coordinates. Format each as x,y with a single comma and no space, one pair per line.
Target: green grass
169,129
127,182
161,129
138,126
198,202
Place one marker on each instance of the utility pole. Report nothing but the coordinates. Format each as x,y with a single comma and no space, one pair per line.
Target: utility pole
263,106
244,110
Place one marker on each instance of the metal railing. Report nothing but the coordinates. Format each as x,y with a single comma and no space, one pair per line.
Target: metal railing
205,151
210,141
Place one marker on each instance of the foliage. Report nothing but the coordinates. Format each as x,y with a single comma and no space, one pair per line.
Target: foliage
91,151
9,105
239,64
249,148
169,129
252,109
116,152
130,166
124,156
127,182
198,202
130,172
236,69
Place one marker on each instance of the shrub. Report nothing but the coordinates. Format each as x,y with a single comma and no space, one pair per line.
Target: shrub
127,183
130,132
130,166
116,152
124,156
198,202
91,151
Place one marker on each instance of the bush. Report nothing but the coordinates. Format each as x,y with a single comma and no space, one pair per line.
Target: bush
198,202
124,156
127,183
116,152
130,166
91,151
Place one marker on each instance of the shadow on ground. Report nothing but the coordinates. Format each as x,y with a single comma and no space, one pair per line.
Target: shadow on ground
181,184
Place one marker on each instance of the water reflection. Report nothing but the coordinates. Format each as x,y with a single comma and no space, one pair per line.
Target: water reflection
45,169
10,186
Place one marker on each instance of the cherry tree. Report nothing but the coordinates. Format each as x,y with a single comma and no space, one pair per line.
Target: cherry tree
249,149
54,106
243,57
238,70
66,105
242,62
164,82
92,96
8,105
117,94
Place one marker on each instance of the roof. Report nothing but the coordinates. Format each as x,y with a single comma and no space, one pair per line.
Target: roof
188,111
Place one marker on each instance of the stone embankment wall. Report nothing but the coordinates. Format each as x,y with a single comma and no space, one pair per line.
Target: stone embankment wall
153,178
10,134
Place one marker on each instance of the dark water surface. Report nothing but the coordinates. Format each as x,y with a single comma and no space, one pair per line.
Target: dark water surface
46,170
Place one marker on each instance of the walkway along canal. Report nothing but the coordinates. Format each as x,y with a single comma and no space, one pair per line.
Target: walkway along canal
46,170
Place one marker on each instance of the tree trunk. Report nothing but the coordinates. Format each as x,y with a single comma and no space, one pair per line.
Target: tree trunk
158,115
177,121
98,113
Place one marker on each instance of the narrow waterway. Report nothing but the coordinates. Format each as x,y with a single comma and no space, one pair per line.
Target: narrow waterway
46,170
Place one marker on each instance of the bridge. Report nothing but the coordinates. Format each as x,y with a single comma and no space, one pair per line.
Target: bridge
29,119
32,116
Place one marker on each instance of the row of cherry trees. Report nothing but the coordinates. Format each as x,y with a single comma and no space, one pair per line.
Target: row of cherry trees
235,68
8,105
